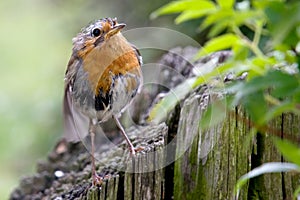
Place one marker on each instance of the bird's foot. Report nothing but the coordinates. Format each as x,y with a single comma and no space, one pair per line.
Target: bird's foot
97,180
133,150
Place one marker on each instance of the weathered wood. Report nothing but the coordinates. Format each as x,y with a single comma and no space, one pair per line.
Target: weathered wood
207,163
275,185
125,176
144,176
290,130
214,159
233,154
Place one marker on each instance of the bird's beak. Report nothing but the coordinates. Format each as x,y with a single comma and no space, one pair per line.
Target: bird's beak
114,30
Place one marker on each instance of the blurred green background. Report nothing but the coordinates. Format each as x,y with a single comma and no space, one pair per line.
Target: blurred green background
35,41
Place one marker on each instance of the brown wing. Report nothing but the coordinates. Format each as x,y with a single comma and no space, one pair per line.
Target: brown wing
75,123
138,54
140,59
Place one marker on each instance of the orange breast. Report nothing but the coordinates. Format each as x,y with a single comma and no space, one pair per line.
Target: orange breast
114,57
126,63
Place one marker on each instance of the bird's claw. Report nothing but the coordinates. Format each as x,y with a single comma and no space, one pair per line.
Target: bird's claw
133,150
97,180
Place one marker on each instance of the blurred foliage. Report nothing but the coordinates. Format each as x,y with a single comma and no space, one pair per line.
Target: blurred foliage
36,44
32,63
269,56
264,37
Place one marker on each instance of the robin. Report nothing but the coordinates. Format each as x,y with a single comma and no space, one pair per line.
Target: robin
102,78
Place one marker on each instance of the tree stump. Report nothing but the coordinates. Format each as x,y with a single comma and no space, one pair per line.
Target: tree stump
66,174
178,159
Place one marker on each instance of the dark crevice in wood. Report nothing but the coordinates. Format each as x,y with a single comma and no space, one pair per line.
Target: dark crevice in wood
133,179
236,117
169,182
282,160
228,160
120,192
105,190
170,153
256,184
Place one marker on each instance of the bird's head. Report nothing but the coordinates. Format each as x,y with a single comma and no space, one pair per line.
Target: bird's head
96,33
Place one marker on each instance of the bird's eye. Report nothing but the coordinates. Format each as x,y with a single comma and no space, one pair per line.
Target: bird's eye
96,32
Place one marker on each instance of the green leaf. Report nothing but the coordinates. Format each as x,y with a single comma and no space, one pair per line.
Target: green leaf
252,95
226,3
241,52
256,106
286,85
183,5
283,20
296,192
296,95
272,167
277,110
231,17
217,17
218,28
261,64
289,150
215,113
243,17
159,112
205,77
219,43
193,14
276,80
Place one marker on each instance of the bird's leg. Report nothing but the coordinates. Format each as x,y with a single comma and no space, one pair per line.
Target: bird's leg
97,180
131,147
